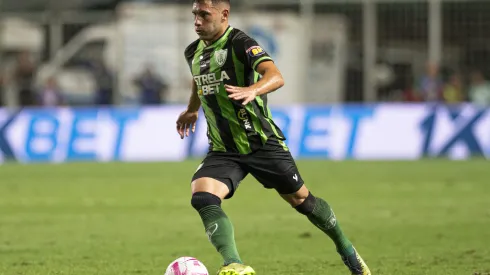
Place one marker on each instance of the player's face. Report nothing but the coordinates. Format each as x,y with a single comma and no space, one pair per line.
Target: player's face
208,20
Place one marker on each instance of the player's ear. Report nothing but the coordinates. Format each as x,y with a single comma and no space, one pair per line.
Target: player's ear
224,14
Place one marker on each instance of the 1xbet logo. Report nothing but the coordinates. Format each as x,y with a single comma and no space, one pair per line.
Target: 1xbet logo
446,128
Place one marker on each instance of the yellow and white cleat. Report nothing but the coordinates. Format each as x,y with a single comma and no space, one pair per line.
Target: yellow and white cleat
236,269
356,264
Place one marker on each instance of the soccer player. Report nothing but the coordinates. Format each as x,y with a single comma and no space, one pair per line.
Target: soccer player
232,75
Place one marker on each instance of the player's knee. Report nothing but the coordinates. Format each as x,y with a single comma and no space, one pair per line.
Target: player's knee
200,200
307,206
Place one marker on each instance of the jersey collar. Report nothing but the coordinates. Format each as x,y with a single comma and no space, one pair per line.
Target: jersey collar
223,37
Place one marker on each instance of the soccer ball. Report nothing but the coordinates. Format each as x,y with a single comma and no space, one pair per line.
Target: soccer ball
186,266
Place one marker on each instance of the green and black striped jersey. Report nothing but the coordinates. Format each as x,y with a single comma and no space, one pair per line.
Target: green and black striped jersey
232,59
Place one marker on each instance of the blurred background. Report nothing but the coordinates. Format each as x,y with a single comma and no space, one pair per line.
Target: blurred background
101,51
129,54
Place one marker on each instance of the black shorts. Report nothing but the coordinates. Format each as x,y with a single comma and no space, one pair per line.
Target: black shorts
272,165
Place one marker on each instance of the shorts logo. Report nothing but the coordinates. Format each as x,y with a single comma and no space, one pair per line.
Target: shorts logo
220,57
255,51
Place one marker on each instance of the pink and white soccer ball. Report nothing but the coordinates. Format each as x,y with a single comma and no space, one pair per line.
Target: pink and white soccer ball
186,266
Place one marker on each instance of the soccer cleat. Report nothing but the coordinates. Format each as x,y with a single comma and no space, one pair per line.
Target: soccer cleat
356,264
236,269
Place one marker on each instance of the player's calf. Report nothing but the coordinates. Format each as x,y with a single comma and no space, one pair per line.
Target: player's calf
322,216
217,225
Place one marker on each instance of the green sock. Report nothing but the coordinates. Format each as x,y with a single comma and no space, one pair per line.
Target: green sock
220,233
324,218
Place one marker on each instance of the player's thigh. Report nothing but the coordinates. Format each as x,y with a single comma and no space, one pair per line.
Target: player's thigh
274,167
219,174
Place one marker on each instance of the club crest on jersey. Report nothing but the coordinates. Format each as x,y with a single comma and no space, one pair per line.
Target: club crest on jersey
255,51
220,56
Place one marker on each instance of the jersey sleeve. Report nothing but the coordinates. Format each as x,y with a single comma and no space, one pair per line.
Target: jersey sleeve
189,53
249,51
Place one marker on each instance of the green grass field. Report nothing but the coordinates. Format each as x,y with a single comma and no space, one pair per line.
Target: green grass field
427,217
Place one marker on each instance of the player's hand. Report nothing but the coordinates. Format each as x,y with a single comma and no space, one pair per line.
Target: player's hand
238,93
186,122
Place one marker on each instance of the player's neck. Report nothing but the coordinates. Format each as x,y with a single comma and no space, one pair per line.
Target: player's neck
217,36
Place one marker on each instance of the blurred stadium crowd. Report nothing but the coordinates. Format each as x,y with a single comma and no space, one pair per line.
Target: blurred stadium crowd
403,72
152,87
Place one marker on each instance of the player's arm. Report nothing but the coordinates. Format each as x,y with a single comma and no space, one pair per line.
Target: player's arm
194,101
271,78
187,119
250,53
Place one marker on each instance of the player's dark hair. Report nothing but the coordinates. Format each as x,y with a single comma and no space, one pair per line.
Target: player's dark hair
213,1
